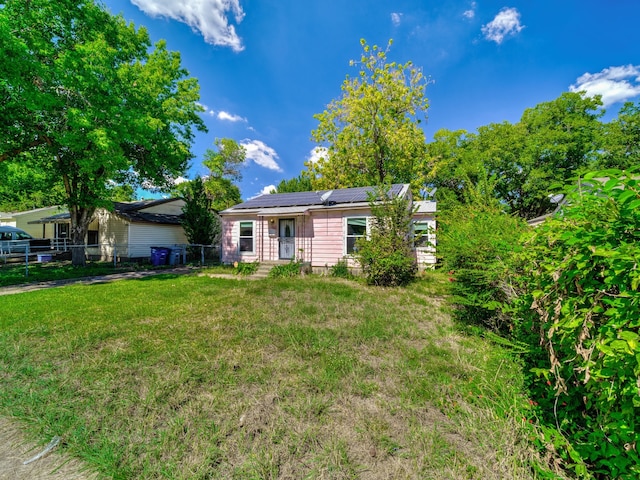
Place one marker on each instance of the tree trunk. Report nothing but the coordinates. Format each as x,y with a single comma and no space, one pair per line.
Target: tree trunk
80,219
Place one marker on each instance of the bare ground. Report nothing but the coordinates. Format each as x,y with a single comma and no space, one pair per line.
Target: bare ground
15,449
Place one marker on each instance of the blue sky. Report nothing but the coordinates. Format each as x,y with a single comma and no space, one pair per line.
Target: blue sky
265,67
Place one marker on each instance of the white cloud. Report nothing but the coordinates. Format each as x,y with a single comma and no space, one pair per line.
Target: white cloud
396,18
179,180
615,84
316,154
268,189
261,154
229,117
152,187
471,13
505,24
209,17
207,110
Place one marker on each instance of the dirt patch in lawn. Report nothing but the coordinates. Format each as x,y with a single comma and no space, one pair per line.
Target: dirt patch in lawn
15,450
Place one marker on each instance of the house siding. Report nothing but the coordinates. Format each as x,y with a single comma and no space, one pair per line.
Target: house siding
129,240
143,236
21,220
230,251
426,255
319,237
112,236
329,232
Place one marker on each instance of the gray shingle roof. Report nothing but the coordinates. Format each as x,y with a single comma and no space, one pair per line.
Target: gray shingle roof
129,211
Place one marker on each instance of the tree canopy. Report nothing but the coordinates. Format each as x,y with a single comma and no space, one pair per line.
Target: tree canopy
24,186
526,162
621,139
224,166
86,99
372,132
200,223
301,183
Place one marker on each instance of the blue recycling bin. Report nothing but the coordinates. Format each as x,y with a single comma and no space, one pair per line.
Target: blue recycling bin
159,256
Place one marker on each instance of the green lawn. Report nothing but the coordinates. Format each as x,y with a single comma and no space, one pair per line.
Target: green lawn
187,377
16,274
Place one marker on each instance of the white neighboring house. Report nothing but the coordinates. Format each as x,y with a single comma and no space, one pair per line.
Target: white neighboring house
131,229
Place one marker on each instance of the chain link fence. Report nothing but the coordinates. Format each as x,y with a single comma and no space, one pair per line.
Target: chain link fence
150,254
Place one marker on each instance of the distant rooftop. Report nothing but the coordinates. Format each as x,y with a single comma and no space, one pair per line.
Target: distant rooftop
130,211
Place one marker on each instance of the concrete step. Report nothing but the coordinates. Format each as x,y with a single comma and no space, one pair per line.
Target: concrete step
265,267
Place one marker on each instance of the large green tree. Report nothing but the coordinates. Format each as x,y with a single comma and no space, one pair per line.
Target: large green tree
25,186
372,132
524,163
562,138
301,183
201,225
449,169
621,139
224,164
85,97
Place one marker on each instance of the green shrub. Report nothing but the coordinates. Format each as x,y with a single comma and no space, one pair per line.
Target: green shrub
291,269
383,267
246,268
340,270
579,311
387,257
475,245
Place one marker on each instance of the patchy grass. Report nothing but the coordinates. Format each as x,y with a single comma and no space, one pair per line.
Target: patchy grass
188,377
16,274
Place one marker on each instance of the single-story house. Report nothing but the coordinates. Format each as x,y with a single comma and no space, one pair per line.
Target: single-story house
24,221
130,230
319,228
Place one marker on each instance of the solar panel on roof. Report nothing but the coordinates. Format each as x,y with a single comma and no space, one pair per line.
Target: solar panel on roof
345,195
283,200
359,194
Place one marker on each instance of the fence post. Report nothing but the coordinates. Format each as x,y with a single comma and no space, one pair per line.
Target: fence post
115,256
26,261
202,255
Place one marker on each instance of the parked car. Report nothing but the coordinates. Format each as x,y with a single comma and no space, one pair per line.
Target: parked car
14,240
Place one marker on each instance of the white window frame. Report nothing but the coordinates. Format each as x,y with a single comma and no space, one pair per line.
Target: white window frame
252,237
346,232
428,234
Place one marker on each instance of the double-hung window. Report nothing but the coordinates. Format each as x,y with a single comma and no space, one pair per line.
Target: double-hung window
92,237
421,234
246,239
356,228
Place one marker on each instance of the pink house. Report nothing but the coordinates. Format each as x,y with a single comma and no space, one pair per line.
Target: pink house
319,228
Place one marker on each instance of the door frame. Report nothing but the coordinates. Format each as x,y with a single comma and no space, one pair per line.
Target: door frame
290,240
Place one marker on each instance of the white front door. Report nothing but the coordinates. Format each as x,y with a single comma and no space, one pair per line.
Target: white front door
287,238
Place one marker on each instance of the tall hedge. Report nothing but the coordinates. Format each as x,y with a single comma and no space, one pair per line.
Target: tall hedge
475,244
579,311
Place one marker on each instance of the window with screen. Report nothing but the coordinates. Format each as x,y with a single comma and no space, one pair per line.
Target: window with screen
246,237
356,228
